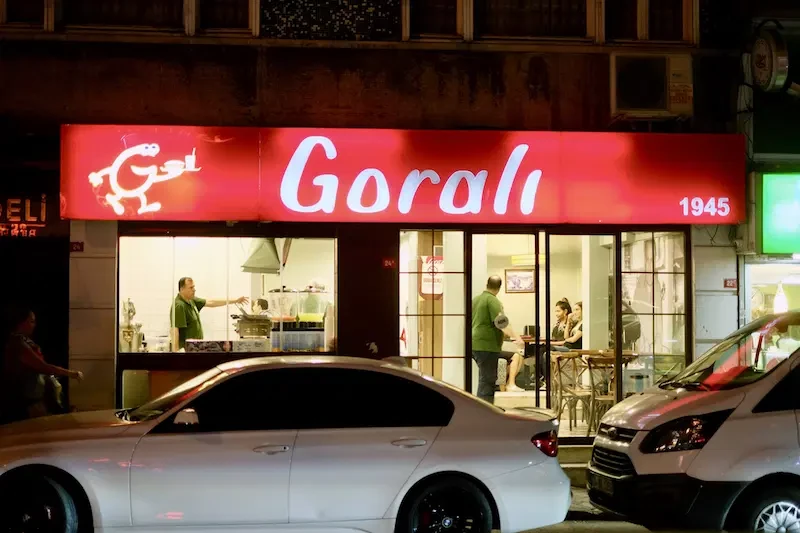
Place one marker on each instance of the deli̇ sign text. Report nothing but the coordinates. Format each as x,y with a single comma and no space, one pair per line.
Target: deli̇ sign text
23,216
400,176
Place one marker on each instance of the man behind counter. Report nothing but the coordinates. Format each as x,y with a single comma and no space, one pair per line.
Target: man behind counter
185,313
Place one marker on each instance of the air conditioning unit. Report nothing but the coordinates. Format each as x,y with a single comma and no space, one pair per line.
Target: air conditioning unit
651,85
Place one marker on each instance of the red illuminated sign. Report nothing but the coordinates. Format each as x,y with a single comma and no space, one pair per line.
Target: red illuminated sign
401,176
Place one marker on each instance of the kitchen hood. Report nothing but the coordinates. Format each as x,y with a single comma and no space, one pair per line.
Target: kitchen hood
263,258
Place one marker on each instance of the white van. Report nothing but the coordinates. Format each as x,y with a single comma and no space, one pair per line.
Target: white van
717,446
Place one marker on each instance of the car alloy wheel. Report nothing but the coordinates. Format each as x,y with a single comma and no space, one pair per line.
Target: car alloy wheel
36,505
455,506
779,517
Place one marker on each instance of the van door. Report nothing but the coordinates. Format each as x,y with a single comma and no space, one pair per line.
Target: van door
782,402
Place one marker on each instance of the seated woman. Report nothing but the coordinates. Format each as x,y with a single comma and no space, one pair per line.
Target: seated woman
574,339
514,362
561,329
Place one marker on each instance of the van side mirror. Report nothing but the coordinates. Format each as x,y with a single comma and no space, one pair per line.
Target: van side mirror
187,417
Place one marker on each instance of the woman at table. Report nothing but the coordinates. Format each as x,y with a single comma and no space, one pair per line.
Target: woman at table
574,339
561,329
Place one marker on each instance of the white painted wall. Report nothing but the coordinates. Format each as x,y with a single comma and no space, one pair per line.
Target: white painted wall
453,327
309,259
150,267
716,309
92,317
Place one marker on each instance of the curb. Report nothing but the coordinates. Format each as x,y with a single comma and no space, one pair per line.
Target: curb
586,516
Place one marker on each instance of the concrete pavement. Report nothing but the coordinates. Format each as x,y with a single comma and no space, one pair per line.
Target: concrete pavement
583,518
593,526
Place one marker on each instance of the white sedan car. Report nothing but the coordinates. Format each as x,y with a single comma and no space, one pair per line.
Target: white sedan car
278,444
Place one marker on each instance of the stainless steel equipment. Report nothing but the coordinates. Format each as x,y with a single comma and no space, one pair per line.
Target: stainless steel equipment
252,326
130,332
284,304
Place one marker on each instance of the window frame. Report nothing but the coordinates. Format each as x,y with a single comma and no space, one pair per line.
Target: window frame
191,18
465,28
691,24
595,25
48,17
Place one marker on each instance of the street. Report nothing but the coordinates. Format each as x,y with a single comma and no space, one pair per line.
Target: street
585,518
592,526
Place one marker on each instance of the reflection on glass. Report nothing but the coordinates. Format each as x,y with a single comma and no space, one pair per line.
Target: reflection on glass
637,292
673,246
217,294
671,295
653,306
669,334
765,282
432,300
744,357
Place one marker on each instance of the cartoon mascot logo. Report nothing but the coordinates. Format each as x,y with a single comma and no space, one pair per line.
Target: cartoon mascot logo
152,174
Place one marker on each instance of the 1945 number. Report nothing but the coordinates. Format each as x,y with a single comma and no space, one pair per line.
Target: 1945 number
713,206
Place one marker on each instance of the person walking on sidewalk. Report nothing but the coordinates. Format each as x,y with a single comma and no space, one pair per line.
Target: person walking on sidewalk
26,379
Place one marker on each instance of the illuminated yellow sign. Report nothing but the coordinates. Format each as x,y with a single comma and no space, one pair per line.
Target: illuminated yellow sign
23,217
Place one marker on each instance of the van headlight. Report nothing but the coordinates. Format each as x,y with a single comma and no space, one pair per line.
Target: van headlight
683,434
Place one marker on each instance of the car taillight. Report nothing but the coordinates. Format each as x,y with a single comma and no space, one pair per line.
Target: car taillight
547,442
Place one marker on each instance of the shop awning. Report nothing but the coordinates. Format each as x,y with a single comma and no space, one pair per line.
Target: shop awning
263,258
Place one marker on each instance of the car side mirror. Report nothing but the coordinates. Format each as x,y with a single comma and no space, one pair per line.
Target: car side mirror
187,417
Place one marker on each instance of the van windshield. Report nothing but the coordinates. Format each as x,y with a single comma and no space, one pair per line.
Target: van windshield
744,357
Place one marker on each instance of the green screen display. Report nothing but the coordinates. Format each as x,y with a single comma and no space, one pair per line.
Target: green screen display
780,214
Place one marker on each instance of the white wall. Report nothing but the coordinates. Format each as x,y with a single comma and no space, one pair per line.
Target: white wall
309,259
595,270
565,281
92,320
150,267
716,309
453,327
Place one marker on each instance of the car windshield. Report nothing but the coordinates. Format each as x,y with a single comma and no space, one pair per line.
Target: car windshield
744,357
170,400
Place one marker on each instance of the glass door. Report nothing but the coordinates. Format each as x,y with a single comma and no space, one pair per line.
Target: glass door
433,318
505,283
654,293
579,315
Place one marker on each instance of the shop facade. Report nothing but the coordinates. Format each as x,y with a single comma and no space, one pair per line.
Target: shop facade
771,277
770,259
372,243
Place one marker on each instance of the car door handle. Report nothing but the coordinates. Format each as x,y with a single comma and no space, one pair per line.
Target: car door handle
271,449
409,443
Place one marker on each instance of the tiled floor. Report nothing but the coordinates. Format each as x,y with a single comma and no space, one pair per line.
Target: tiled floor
509,400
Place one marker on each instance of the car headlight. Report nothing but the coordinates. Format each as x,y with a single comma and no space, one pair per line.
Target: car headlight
683,434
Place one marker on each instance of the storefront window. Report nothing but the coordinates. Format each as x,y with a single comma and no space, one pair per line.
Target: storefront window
215,294
653,307
432,303
772,288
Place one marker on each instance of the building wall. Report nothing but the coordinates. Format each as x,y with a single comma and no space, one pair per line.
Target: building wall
92,313
57,82
716,308
237,85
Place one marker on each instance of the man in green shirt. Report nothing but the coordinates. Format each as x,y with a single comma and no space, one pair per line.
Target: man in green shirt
489,327
185,313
